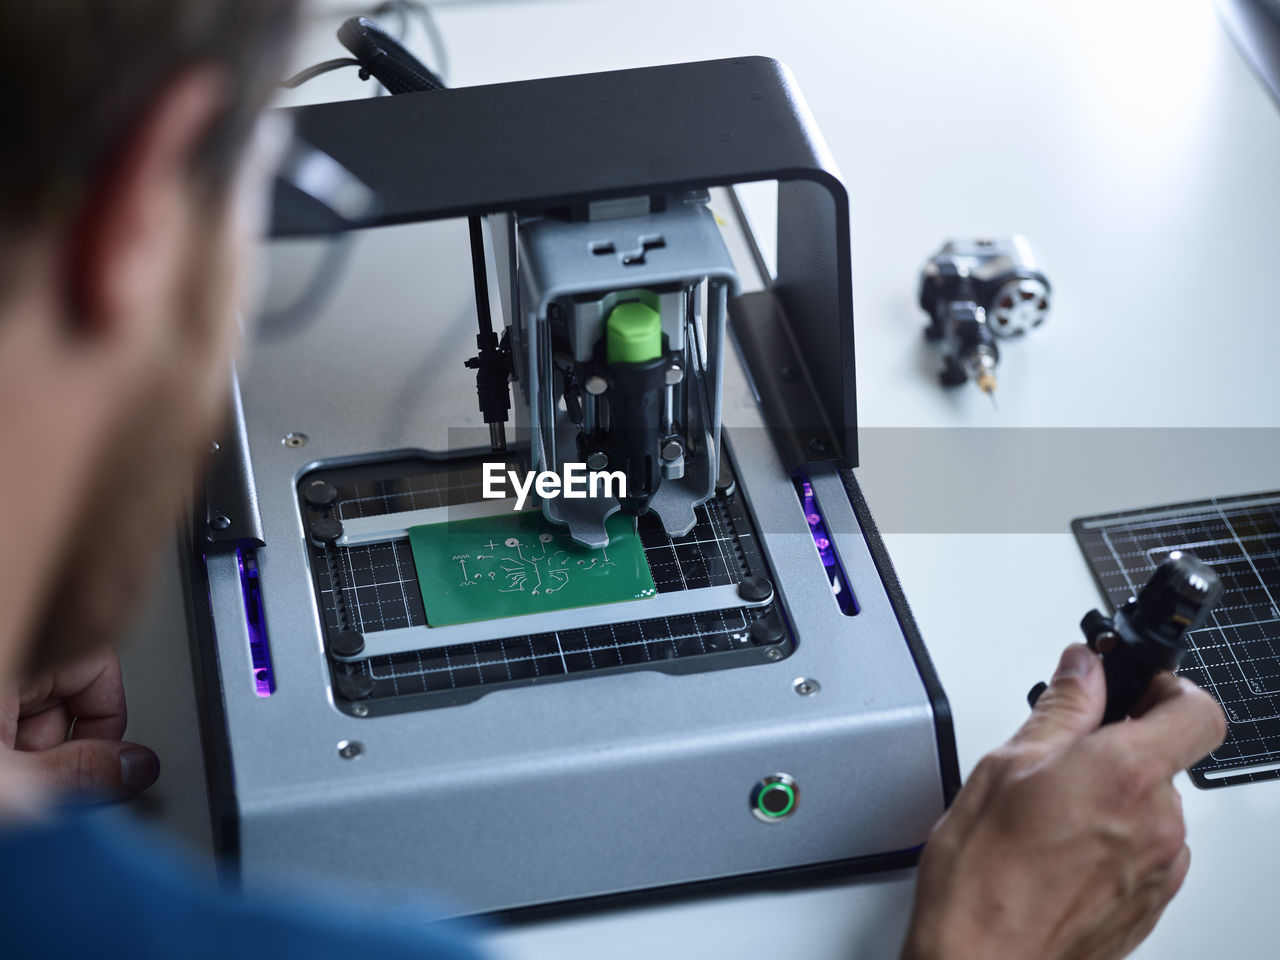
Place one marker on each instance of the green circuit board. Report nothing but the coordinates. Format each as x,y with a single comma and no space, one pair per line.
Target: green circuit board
518,563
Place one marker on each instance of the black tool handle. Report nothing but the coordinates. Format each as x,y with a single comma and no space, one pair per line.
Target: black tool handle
1127,681
1033,695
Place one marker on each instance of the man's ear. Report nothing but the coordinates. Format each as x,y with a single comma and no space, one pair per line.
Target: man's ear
125,244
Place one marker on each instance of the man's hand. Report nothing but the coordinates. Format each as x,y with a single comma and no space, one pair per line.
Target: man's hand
1068,841
60,734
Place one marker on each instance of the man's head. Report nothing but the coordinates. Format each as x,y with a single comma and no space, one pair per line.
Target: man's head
127,195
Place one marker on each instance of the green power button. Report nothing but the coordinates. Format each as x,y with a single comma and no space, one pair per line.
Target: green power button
774,798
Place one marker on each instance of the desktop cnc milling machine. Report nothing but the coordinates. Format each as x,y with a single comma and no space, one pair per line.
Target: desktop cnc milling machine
767,712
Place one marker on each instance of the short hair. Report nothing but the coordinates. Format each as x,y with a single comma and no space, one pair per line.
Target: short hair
78,75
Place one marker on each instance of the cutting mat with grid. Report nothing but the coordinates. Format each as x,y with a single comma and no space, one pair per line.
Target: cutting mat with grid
1236,656
375,587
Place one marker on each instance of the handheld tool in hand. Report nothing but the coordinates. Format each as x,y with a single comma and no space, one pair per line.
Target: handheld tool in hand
1148,633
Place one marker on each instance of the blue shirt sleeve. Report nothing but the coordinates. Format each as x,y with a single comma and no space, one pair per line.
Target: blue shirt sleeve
87,886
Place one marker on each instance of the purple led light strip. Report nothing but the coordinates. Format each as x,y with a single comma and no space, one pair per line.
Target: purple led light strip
822,540
264,681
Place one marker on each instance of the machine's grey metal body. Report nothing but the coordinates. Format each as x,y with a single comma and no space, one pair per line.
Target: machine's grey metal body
589,786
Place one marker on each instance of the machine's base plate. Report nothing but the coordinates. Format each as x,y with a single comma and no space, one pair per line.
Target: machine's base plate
376,586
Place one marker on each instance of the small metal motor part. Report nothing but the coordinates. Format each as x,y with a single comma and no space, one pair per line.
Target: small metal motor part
978,291
1019,306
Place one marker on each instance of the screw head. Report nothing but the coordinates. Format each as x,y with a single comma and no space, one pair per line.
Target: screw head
295,440
326,530
596,385
672,450
350,749
319,494
220,522
773,653
346,644
675,374
214,446
819,445
767,631
355,686
360,710
597,460
805,686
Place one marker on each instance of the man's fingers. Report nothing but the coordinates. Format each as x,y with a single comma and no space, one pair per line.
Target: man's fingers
46,729
1180,723
1178,872
1142,919
1071,706
94,769
1163,888
91,689
95,699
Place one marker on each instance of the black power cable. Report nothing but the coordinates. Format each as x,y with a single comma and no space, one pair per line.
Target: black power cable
328,66
402,9
492,362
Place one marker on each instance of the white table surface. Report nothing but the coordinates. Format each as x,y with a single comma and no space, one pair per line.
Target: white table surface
1131,143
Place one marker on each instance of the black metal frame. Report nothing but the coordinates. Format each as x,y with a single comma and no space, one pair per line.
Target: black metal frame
224,815
542,145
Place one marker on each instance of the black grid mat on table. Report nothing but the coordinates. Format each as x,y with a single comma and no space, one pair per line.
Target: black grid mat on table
382,592
1236,656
